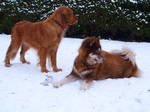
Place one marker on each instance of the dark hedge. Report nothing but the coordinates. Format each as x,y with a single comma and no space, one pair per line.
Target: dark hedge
117,20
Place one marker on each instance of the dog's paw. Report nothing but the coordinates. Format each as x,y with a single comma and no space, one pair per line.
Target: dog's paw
57,84
26,62
57,70
85,86
8,65
22,59
44,70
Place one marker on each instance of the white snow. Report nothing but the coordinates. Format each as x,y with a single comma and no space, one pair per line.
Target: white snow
21,91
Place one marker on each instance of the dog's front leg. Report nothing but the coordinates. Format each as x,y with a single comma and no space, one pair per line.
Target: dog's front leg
86,84
54,60
67,79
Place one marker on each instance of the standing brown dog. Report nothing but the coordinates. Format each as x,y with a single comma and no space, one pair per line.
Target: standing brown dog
93,63
44,36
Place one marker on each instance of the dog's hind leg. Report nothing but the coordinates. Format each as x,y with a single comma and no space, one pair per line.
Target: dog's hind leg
24,49
42,53
12,49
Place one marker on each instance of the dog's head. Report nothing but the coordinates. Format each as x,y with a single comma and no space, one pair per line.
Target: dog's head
65,15
90,51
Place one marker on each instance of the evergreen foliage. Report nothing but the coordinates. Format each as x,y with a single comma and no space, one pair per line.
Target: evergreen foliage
119,20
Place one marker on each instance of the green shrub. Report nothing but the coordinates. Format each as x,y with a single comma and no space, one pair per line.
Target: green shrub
123,20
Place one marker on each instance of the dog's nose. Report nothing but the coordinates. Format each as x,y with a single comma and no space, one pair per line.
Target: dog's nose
103,59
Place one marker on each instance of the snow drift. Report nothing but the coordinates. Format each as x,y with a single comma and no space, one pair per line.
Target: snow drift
21,89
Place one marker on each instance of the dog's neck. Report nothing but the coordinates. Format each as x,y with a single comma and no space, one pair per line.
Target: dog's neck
58,23
83,63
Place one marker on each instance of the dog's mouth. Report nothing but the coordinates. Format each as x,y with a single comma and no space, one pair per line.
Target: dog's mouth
93,59
75,20
99,60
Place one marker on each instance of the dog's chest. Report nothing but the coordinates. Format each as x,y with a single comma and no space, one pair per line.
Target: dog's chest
83,70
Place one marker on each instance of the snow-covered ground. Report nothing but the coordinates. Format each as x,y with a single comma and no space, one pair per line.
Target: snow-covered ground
21,91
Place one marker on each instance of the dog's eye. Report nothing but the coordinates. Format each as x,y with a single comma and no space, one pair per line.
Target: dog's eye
99,49
97,52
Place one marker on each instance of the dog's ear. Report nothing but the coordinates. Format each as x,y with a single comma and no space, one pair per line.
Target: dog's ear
99,37
91,44
65,15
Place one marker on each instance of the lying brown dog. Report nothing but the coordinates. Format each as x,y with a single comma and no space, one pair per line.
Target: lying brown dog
93,63
44,36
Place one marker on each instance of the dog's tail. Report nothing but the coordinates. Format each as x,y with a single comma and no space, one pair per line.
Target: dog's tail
128,54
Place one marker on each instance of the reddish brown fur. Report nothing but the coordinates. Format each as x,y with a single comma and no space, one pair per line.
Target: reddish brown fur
114,65
44,36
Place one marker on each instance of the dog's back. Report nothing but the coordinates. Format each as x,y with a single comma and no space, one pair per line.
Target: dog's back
118,64
129,55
